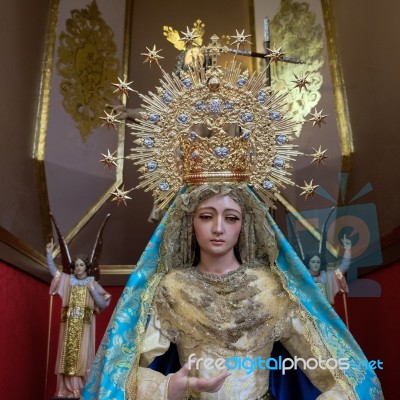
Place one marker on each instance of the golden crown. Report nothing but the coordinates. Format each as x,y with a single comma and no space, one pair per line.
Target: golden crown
213,124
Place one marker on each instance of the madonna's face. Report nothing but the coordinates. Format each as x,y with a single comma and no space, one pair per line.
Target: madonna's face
217,223
80,269
314,264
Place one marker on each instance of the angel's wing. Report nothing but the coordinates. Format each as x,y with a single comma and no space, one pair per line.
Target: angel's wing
66,259
96,253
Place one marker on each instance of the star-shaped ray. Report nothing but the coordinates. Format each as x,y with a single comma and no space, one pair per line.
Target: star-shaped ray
275,55
301,82
109,159
318,118
241,38
189,37
122,88
110,120
319,156
152,55
308,190
121,195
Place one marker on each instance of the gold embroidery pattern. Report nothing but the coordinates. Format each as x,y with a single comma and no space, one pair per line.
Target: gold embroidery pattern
145,303
75,316
217,312
87,314
320,348
88,65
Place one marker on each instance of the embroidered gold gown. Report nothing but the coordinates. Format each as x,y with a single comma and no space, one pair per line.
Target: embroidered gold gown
238,315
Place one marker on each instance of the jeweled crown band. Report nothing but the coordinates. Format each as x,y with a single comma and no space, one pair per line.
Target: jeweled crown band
210,177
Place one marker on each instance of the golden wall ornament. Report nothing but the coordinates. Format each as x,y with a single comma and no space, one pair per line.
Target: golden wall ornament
88,64
58,138
302,38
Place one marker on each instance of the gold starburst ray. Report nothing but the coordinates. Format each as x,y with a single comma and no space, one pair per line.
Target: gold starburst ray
289,149
235,75
289,152
142,152
167,200
229,72
139,141
154,104
128,124
150,184
261,76
286,125
151,181
172,84
289,146
286,156
282,178
144,126
252,84
141,157
277,98
149,175
265,196
142,129
155,99
196,76
147,125
203,74
258,84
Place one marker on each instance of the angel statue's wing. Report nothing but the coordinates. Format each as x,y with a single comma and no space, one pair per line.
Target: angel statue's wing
66,259
96,253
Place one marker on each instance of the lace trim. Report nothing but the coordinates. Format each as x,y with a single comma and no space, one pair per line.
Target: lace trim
74,281
209,277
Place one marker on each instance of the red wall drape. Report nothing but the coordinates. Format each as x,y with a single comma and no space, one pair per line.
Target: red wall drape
23,334
24,311
373,323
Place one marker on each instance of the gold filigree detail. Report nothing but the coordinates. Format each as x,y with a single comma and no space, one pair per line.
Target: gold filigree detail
88,65
75,317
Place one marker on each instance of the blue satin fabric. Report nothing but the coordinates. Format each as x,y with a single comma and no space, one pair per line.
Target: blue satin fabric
120,348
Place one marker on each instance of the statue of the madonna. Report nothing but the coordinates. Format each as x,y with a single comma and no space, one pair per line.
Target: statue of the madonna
218,279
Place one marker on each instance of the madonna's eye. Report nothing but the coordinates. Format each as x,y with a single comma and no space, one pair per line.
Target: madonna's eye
205,216
232,218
